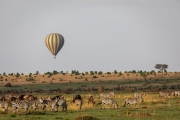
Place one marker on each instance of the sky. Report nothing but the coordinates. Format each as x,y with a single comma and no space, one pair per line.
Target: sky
100,35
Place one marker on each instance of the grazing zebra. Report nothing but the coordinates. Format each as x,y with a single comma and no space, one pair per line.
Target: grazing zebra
25,104
135,100
16,105
139,94
164,94
107,95
61,102
79,102
109,101
5,105
51,102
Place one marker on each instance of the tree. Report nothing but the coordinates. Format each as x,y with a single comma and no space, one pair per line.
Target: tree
30,74
115,72
55,72
37,72
161,67
133,71
73,71
100,72
77,73
17,74
4,73
91,72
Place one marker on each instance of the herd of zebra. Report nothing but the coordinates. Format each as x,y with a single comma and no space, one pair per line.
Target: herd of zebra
27,101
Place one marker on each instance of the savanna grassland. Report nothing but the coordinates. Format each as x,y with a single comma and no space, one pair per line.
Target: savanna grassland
123,84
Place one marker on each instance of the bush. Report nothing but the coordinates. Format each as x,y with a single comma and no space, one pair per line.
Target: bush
108,72
8,85
100,72
94,77
86,118
120,73
30,79
30,74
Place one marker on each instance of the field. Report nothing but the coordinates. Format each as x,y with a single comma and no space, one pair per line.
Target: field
153,108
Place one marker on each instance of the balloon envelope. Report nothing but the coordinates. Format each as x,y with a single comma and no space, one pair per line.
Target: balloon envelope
54,42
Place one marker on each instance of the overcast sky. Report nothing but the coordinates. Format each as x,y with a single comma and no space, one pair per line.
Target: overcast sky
100,35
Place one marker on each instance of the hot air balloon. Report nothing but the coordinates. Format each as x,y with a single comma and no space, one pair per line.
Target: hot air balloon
54,43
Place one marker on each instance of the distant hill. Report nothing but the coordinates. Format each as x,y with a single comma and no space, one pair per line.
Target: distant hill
17,79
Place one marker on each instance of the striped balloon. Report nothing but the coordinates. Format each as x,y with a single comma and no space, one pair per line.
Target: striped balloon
54,43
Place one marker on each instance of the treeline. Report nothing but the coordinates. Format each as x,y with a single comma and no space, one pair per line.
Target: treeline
76,72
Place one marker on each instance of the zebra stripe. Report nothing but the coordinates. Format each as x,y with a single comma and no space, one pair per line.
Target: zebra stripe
109,101
51,102
135,100
16,105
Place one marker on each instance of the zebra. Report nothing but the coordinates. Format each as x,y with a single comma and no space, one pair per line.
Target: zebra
25,104
51,102
79,102
5,105
109,101
165,94
135,100
35,103
9,97
139,94
77,97
61,102
176,93
16,105
107,95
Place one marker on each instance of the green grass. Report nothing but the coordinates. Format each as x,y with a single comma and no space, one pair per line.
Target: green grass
141,112
106,84
154,108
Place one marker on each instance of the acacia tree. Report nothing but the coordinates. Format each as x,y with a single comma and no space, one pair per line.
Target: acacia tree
161,67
